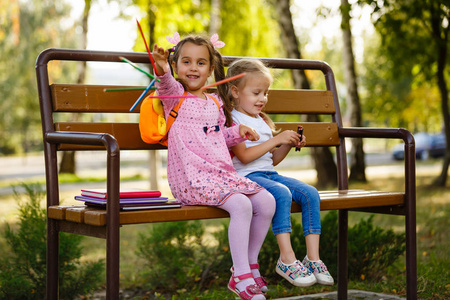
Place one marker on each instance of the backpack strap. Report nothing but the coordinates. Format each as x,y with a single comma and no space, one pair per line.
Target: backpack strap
174,113
215,100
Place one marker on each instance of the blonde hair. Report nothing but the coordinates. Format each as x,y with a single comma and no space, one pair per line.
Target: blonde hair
250,66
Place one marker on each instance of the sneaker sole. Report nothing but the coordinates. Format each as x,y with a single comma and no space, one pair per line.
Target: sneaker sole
325,282
296,283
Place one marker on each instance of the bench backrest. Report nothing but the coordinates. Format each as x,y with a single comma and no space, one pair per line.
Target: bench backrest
72,98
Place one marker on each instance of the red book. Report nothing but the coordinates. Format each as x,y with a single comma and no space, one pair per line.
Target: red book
124,193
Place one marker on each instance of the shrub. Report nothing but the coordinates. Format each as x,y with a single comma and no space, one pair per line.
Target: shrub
173,252
177,257
23,262
371,249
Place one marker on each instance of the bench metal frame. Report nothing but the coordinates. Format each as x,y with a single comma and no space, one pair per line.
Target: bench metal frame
54,138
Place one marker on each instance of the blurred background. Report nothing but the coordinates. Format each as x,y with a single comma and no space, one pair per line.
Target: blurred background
389,58
390,61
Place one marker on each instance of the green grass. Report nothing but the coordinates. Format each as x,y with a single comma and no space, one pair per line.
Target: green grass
433,239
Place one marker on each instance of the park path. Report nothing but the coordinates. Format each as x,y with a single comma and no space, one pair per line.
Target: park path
17,169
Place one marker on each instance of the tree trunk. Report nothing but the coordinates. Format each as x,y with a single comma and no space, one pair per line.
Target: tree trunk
357,163
154,159
216,21
323,159
68,162
441,40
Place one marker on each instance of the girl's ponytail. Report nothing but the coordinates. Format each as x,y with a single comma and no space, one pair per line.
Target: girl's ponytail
222,89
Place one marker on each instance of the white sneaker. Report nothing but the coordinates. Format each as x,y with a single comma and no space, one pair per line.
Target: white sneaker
319,270
295,273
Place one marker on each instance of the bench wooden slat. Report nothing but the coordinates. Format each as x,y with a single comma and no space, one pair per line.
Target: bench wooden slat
329,201
317,134
128,136
76,214
92,98
300,102
59,212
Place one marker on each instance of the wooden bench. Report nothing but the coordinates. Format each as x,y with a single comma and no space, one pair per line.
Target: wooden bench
114,137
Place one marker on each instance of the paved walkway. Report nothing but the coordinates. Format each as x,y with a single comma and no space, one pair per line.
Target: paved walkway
31,168
352,295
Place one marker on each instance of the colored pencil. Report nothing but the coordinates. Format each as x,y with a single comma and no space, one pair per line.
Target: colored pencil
166,97
143,94
223,81
146,46
127,89
137,68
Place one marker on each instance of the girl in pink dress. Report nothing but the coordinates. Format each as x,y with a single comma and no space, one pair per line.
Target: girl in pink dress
199,167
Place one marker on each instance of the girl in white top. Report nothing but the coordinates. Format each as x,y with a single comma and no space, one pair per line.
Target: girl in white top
256,160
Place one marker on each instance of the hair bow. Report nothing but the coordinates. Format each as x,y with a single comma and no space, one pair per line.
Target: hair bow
215,41
175,39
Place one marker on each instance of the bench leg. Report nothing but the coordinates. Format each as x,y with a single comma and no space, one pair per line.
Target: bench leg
342,255
52,260
411,256
112,262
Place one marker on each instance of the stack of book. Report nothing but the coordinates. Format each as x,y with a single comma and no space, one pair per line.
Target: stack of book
130,199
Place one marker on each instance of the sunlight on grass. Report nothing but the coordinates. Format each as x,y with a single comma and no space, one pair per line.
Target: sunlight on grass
433,243
433,239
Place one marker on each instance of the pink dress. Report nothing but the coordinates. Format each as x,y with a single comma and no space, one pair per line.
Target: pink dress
199,166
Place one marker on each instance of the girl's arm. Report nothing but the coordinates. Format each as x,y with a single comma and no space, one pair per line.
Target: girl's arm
280,153
286,139
168,85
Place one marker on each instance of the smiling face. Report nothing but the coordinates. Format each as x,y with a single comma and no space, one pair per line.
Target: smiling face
193,67
251,94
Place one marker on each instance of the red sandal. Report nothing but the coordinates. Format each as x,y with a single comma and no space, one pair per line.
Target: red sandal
260,281
250,290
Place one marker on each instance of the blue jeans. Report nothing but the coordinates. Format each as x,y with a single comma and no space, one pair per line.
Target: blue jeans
286,189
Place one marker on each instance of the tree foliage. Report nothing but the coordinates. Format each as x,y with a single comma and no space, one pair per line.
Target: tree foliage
249,30
398,79
395,101
415,38
27,28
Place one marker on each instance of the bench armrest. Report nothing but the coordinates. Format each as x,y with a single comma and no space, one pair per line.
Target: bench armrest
84,138
370,132
112,164
410,152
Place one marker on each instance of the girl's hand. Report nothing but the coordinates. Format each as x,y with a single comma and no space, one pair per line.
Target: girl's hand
289,137
302,142
160,57
248,132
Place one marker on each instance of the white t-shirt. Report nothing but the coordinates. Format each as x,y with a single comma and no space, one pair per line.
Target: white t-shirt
265,162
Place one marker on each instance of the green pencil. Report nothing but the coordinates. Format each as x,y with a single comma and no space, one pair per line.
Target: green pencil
137,68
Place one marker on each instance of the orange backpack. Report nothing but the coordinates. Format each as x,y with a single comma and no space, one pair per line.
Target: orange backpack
153,126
